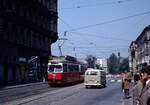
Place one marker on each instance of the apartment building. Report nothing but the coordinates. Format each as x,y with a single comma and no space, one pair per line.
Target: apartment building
27,28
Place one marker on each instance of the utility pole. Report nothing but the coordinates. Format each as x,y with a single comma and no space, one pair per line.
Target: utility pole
74,49
119,57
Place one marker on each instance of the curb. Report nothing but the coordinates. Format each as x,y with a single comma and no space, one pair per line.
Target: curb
128,101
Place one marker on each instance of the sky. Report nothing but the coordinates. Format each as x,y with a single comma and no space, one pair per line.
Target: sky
99,27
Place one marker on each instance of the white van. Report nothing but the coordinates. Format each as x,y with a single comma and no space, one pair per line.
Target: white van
94,77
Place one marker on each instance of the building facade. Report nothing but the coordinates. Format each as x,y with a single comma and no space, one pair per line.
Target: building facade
143,48
133,57
27,28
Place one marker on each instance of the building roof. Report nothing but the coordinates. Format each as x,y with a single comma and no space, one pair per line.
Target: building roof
142,33
133,42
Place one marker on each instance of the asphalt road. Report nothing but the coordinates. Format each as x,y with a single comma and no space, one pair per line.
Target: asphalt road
70,95
18,92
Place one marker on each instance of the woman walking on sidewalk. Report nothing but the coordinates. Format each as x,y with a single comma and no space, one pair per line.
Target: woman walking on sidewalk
126,83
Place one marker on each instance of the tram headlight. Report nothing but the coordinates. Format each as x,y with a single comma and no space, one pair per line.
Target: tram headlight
49,72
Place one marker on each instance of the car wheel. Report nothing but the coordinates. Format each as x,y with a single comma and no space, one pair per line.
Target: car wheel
86,86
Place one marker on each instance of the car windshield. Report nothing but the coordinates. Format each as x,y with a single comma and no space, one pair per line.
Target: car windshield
92,73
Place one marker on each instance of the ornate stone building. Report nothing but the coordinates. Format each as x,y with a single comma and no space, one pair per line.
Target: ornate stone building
133,57
139,51
143,48
27,28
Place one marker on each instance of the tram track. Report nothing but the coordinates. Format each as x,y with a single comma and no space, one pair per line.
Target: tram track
23,92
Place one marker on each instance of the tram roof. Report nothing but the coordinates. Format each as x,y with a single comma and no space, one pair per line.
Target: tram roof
63,59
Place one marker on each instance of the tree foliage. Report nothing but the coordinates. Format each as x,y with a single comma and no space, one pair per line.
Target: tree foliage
124,65
116,65
91,61
113,63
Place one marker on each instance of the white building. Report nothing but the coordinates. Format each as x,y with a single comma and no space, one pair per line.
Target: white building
101,63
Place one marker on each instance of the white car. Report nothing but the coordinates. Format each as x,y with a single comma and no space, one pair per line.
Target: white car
112,80
119,80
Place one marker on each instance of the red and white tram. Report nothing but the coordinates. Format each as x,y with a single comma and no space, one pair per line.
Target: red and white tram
64,70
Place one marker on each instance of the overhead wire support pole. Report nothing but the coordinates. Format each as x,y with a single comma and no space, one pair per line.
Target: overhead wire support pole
60,44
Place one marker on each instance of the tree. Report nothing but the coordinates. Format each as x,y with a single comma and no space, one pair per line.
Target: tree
113,64
91,61
124,65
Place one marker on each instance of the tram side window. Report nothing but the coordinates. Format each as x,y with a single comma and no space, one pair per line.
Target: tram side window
74,68
64,67
70,67
82,68
77,68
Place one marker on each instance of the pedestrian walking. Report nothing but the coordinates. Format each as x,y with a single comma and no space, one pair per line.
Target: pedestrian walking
145,94
138,85
126,83
44,76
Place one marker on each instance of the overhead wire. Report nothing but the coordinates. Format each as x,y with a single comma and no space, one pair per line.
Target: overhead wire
100,36
111,21
92,43
94,5
107,22
65,22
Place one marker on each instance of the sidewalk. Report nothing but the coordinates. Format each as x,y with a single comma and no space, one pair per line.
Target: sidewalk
128,101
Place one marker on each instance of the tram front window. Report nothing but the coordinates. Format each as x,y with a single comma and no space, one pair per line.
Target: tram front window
58,69
55,68
51,69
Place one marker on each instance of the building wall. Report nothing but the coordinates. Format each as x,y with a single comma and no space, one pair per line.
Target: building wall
102,62
27,28
143,48
133,57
